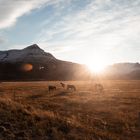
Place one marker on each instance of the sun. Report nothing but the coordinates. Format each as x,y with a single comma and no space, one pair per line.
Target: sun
96,67
96,63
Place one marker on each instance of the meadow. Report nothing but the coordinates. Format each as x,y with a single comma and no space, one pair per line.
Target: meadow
28,111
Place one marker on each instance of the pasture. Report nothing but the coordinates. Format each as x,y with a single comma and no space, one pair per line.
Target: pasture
28,111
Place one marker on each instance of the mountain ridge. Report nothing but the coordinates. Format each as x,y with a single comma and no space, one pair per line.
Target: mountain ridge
33,63
29,53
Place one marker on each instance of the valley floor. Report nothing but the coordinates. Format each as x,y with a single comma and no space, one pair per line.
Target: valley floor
29,112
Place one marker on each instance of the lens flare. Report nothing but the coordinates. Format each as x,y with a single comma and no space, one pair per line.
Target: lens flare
27,67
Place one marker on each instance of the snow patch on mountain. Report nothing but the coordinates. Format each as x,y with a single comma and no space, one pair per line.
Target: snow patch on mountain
31,53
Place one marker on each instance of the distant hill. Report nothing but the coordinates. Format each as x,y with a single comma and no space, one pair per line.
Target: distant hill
33,63
123,71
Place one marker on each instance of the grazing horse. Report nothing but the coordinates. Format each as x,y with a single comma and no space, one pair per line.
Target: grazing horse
51,88
99,87
62,84
71,87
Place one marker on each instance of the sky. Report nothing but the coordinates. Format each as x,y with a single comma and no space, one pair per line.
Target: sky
83,31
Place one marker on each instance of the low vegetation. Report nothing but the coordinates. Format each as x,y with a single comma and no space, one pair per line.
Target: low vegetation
29,112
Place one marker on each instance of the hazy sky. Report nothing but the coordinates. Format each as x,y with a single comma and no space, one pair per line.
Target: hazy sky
75,30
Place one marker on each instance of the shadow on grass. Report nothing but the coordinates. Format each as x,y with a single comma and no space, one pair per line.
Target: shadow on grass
35,96
63,93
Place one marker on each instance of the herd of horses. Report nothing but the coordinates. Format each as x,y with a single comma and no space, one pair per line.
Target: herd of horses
97,87
68,87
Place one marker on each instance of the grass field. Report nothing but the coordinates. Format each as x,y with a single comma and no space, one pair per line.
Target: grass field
29,112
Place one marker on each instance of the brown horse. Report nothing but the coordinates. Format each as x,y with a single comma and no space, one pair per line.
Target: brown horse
71,87
51,88
63,85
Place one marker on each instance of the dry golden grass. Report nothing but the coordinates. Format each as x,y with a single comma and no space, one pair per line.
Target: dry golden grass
29,112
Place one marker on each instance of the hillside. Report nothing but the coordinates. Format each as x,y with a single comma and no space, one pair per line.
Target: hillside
33,63
123,71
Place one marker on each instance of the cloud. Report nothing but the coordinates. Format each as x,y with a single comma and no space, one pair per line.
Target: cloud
105,25
11,10
98,17
77,28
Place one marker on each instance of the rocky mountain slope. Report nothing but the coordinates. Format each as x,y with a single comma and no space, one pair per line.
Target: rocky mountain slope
30,54
33,63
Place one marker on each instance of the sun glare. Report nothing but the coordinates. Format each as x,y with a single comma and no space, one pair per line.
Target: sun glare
96,67
96,64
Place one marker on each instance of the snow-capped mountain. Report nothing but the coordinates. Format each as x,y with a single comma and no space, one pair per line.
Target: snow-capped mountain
33,63
29,54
